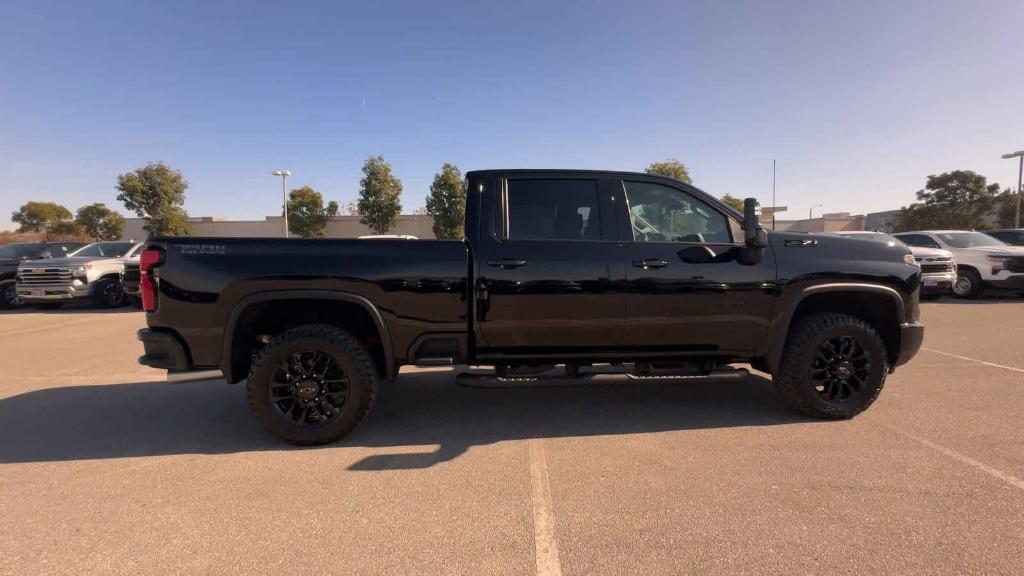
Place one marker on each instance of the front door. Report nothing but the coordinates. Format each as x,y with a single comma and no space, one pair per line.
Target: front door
688,291
550,278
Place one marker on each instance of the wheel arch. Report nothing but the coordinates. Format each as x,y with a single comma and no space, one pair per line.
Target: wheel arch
873,303
235,351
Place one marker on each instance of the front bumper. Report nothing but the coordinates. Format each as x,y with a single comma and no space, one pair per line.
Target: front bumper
911,337
937,283
1013,282
53,292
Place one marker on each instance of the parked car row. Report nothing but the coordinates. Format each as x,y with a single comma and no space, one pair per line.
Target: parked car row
961,262
48,275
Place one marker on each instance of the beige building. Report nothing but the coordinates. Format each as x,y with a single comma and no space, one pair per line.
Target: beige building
419,225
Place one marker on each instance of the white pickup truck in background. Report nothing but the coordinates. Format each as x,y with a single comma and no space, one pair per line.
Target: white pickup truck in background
938,267
982,261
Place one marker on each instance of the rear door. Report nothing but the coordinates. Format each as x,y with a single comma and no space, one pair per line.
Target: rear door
549,279
688,290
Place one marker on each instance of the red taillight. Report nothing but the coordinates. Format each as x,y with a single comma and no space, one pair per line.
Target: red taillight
148,260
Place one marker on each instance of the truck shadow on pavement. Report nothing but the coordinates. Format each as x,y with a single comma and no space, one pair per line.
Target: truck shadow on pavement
419,409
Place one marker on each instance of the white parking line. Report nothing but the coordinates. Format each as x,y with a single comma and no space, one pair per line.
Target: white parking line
969,359
1005,477
543,517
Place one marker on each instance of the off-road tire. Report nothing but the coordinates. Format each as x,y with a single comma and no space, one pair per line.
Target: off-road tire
975,287
345,350
104,300
792,380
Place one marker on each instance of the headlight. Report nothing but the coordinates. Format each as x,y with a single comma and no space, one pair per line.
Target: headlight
909,259
997,259
82,270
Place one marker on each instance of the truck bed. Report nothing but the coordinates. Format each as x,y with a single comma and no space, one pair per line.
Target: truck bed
418,286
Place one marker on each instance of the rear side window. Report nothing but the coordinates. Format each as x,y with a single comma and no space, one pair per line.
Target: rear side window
919,240
553,209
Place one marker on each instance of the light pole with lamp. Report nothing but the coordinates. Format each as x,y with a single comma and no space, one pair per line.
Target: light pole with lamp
1020,172
284,174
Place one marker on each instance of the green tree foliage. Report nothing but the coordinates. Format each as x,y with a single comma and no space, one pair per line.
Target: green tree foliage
307,215
447,203
958,199
156,192
379,193
733,201
66,229
671,168
47,218
99,222
1006,209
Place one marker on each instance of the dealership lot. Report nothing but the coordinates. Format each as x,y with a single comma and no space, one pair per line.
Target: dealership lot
106,468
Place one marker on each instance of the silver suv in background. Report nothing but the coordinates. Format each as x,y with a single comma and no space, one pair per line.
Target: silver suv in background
938,266
91,272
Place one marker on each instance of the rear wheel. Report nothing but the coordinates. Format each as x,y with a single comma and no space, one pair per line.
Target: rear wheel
833,366
967,284
9,295
312,384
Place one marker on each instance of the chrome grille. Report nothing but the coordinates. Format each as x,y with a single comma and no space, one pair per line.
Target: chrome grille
44,276
934,268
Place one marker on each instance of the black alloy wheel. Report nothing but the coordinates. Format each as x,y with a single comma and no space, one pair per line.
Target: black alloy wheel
309,389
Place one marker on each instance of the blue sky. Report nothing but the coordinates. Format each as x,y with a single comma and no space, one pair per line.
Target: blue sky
858,101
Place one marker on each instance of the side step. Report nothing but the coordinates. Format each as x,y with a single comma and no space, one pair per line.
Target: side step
478,380
182,376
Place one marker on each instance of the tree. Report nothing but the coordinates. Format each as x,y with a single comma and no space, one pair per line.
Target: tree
447,203
1006,209
99,222
66,229
733,201
47,218
307,215
958,199
671,168
379,193
156,193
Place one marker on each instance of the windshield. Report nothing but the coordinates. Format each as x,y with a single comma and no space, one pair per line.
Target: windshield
969,239
18,250
104,250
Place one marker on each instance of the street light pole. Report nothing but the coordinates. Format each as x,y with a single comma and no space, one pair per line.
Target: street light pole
1020,173
284,174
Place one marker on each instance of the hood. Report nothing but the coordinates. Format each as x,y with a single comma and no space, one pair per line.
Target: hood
930,252
998,250
9,262
67,262
834,246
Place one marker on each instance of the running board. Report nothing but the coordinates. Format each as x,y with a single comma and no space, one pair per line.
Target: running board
476,380
182,376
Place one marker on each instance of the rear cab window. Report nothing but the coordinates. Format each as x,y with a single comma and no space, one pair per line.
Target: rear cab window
552,209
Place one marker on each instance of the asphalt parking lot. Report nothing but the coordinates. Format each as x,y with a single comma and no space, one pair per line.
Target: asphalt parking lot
105,468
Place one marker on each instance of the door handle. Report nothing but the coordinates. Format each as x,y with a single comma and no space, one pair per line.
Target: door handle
650,263
508,262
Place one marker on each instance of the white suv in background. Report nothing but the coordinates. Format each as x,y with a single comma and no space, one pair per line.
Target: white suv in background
981,260
938,267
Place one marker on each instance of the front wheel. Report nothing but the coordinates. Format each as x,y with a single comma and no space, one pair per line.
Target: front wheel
312,384
9,296
967,284
833,366
109,293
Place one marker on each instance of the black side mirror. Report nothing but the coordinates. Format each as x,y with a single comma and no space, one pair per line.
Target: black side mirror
754,236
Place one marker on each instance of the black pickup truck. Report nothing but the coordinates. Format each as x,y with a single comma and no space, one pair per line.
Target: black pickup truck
591,272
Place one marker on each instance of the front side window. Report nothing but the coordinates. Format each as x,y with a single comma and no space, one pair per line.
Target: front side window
555,209
659,213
